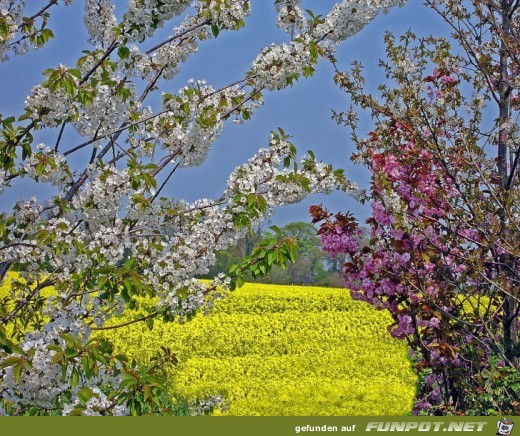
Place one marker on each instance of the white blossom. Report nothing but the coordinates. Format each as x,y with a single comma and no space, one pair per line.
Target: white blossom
100,20
274,67
11,13
349,16
227,13
2,181
291,17
107,211
51,108
144,17
48,166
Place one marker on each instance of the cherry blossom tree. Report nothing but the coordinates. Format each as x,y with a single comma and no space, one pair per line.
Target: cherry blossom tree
107,240
444,254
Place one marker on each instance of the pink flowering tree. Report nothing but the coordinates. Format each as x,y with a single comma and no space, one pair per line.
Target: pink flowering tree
104,238
444,253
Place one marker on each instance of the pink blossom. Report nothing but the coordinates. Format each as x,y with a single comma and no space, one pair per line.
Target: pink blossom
380,214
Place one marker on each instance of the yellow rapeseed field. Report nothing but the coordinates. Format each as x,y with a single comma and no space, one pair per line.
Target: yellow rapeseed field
284,350
281,350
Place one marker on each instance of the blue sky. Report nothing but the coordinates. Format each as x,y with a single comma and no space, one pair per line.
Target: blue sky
303,111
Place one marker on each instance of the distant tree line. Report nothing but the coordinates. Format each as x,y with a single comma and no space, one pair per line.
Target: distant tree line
312,266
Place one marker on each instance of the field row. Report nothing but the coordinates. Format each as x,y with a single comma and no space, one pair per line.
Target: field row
275,350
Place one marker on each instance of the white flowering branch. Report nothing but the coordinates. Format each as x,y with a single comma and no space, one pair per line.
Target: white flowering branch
104,239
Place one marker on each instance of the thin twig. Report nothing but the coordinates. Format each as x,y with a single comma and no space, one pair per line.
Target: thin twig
113,327
173,38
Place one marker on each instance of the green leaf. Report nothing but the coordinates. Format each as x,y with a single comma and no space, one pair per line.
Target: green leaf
88,366
74,72
85,394
57,357
277,230
127,383
69,340
17,372
74,378
77,411
129,285
11,361
70,353
96,354
123,52
121,357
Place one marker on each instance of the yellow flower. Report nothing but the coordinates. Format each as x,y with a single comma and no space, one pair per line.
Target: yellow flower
285,350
